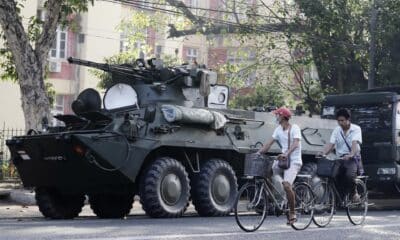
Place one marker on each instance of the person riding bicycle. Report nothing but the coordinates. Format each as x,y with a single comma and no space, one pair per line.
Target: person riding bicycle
291,153
346,139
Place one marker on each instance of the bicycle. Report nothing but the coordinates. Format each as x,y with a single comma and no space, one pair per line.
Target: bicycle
258,195
327,194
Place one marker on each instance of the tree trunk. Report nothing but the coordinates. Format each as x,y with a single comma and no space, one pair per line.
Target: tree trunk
30,63
35,103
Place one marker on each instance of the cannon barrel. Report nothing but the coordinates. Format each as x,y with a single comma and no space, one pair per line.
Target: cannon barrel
103,66
121,69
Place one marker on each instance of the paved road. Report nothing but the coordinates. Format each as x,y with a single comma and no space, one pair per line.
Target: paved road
18,222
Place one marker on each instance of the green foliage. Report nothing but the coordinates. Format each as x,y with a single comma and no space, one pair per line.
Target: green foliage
337,33
105,78
34,29
135,28
264,95
8,71
51,92
331,35
388,38
69,8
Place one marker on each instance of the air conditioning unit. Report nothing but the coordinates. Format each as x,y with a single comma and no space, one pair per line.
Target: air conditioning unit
54,66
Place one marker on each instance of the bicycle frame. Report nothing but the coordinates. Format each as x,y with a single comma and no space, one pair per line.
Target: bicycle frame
343,202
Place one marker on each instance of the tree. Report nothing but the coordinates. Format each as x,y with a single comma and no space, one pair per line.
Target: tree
334,35
135,28
263,96
28,50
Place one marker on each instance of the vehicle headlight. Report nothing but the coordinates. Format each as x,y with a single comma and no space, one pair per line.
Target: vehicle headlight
386,171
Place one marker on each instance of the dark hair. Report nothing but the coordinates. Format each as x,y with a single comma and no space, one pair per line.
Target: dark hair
343,112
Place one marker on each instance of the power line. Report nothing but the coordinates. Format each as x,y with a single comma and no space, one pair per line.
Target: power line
263,29
210,9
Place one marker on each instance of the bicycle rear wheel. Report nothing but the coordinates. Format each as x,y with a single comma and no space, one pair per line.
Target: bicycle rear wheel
324,204
251,206
357,211
304,207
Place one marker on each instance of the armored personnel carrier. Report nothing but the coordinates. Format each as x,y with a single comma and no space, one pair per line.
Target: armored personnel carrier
163,133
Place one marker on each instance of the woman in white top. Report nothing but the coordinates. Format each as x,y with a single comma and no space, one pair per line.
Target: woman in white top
293,152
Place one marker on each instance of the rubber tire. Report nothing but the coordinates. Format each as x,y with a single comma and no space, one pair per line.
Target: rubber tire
150,191
202,197
55,205
310,220
262,213
111,205
332,197
365,191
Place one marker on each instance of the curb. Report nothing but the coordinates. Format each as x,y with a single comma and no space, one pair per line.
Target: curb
23,197
5,193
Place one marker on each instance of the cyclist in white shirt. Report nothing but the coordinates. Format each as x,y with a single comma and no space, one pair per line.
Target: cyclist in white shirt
346,139
293,152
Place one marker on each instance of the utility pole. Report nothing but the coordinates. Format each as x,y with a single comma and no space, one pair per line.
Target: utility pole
372,45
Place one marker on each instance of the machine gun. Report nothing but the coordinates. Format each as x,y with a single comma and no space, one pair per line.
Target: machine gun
154,72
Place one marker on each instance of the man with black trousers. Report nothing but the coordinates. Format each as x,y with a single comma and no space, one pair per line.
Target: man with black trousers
346,139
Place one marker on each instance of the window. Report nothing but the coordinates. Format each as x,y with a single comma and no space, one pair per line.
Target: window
41,14
140,45
123,43
191,55
59,103
194,3
59,47
234,57
158,51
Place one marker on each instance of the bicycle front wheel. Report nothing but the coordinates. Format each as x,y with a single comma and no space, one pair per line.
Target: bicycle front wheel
251,206
324,204
304,207
357,211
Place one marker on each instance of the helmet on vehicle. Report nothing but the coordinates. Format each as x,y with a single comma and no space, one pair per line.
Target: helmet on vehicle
284,112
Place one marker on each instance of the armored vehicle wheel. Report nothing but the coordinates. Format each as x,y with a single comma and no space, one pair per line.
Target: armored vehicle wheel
215,189
111,205
56,205
165,188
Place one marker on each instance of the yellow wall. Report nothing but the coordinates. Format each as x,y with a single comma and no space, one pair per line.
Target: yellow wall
11,114
102,39
10,106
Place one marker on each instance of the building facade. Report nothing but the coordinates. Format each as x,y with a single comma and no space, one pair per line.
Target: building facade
94,36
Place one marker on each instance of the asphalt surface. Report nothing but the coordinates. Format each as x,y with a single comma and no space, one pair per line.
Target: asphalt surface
25,222
20,219
379,225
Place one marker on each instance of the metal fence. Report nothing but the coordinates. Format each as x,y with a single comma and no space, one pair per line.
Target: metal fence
6,168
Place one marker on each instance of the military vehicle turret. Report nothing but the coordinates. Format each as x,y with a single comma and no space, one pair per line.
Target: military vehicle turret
163,133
